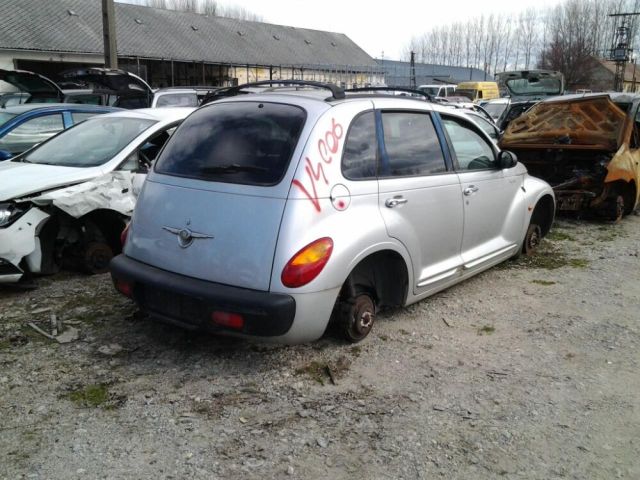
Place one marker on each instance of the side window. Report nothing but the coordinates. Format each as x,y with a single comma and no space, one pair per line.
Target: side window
486,126
472,151
360,148
33,131
81,116
142,158
411,144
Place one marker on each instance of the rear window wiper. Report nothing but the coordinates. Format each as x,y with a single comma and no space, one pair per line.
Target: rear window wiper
233,168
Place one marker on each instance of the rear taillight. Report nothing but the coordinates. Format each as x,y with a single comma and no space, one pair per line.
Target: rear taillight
124,287
228,319
307,264
124,234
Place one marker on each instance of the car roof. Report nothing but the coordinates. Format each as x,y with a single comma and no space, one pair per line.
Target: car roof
29,107
157,114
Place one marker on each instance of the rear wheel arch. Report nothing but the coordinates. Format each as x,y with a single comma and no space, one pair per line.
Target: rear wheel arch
383,274
380,279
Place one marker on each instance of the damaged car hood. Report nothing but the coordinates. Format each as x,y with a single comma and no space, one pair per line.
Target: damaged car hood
594,123
23,179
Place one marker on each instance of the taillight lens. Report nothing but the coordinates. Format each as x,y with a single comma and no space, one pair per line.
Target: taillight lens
228,319
307,264
124,287
124,234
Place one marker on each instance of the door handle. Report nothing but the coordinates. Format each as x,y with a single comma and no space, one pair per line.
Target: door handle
395,201
470,190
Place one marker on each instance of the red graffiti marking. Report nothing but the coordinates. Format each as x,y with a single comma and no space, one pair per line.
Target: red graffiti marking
327,146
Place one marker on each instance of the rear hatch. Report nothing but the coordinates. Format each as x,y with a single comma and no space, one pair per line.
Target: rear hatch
531,84
212,207
594,123
39,87
132,91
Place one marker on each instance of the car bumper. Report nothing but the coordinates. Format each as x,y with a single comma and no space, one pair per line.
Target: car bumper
190,302
20,241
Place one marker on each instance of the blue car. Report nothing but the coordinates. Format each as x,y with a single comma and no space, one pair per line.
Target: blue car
23,126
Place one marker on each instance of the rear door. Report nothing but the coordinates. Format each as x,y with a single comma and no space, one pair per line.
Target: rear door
419,196
493,216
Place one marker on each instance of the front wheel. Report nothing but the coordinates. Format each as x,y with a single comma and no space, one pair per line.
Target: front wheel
532,239
356,317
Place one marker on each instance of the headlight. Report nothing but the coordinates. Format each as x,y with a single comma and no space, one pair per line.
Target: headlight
9,213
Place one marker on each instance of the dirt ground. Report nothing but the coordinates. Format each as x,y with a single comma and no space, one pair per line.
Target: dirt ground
530,370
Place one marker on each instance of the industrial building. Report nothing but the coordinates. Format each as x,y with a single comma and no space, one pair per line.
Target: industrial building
167,48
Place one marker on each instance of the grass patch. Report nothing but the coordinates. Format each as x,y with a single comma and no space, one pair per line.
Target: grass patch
486,330
560,236
545,283
578,263
93,396
546,257
322,372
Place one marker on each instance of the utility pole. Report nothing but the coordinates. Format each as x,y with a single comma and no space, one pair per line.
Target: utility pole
412,80
109,34
621,50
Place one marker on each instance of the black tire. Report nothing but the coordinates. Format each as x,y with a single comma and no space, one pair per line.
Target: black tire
532,239
618,208
96,258
357,316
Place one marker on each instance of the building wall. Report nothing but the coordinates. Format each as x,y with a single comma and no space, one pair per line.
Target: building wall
164,73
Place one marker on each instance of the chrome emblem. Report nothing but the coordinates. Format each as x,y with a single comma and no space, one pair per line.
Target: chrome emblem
186,236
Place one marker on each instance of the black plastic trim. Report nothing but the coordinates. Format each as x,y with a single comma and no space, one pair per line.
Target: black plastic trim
265,314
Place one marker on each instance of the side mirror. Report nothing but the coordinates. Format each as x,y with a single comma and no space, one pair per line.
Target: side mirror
5,155
507,159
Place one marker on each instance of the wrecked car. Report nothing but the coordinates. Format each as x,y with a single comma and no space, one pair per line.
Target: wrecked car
65,202
587,147
269,214
23,126
120,88
525,88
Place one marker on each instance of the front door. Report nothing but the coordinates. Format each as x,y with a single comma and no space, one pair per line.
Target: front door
419,197
493,212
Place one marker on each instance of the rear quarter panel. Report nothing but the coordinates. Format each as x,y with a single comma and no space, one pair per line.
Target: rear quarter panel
352,220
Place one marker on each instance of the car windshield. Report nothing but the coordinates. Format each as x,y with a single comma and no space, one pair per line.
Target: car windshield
534,86
177,100
90,143
469,93
430,90
495,109
5,117
249,143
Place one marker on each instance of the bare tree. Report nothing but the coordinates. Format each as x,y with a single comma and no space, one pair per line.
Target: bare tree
206,7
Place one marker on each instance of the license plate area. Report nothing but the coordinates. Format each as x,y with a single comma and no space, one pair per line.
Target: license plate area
174,305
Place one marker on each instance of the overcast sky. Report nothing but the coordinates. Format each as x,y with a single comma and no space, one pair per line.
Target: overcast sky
378,26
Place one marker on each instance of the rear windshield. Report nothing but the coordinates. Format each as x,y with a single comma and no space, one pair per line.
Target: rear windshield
250,143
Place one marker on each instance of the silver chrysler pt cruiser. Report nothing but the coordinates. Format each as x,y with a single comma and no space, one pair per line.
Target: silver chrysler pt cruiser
269,214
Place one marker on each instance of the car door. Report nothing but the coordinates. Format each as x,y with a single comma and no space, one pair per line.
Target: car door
493,215
419,196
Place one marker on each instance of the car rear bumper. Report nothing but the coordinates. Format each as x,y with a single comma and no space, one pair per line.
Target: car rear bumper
190,302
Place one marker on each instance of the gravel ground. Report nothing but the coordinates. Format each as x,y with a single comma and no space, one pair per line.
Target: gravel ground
529,370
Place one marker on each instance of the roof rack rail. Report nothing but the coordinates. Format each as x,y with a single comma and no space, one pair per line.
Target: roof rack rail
337,93
391,89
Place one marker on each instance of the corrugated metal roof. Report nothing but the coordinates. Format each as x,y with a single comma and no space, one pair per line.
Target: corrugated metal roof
155,33
398,74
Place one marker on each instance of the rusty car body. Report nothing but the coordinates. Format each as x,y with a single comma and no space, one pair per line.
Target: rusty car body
587,147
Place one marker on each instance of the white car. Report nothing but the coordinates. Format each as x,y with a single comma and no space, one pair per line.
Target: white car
67,200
